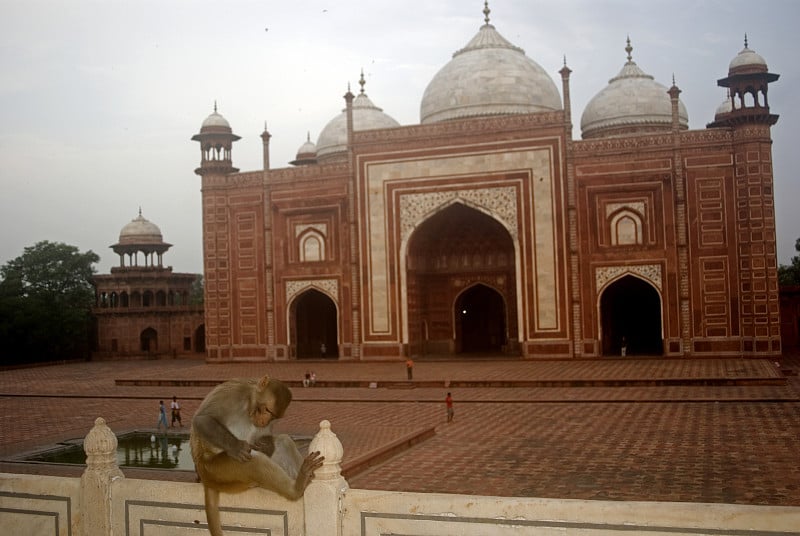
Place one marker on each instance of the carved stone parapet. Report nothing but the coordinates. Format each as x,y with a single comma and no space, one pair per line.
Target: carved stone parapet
329,446
323,496
100,446
503,123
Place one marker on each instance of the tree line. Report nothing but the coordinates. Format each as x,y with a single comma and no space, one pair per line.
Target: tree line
46,298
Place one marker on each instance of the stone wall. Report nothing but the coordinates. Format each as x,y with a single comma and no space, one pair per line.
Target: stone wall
104,502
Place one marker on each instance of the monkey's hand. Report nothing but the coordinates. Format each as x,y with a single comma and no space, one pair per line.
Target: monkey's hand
240,451
265,444
312,462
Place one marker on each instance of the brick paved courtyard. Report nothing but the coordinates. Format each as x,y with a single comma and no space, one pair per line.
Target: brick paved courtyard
723,430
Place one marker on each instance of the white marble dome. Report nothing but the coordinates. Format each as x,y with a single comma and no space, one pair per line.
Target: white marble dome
747,61
489,76
140,231
725,107
632,103
366,116
215,121
308,149
306,154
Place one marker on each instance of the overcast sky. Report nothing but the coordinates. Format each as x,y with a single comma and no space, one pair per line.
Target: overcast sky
99,99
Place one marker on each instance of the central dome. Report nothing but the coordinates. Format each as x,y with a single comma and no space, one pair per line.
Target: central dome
489,76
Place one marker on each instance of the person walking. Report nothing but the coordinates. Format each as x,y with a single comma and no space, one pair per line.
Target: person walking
448,402
410,368
162,416
176,412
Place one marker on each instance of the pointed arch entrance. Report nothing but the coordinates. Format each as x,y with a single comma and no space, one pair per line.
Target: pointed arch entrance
480,321
148,340
200,338
460,258
314,326
630,309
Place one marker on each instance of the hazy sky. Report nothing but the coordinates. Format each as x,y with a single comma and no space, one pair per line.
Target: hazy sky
99,99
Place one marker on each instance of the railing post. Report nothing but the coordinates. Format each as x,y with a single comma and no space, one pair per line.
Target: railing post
323,496
100,446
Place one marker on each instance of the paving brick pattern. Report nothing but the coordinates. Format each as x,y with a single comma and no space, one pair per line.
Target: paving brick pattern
698,443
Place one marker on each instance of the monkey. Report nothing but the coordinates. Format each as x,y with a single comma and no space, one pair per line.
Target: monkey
234,449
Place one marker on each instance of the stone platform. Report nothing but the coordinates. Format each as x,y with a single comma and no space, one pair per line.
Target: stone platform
711,430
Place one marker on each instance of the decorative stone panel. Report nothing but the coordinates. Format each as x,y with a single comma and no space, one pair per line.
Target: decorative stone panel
329,286
650,272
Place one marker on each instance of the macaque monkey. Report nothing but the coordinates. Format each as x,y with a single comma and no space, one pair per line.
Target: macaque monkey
233,447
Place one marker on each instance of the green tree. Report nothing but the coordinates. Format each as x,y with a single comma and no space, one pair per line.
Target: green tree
789,274
46,296
196,295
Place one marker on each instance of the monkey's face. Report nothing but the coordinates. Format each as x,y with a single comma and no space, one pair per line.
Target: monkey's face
262,416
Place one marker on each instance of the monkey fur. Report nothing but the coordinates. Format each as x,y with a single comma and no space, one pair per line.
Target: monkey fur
234,449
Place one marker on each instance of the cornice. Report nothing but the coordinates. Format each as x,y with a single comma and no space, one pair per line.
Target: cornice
317,171
661,141
483,125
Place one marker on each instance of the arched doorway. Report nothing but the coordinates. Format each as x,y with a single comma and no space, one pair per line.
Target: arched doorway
480,320
148,340
630,309
460,256
200,338
314,326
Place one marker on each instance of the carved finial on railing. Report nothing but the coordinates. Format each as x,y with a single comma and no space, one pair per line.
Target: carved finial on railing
330,447
100,446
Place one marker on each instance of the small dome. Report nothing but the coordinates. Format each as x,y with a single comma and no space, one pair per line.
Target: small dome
307,149
489,76
725,107
140,231
747,61
366,116
306,154
215,122
632,103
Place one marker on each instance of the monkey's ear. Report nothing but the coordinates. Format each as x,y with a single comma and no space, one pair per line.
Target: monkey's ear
263,382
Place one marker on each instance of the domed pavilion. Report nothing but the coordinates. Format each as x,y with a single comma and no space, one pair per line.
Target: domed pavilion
142,307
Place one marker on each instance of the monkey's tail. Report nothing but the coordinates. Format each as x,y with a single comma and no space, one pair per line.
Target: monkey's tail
212,511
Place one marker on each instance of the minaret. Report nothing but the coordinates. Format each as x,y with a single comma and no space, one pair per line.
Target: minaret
747,82
265,136
750,121
216,141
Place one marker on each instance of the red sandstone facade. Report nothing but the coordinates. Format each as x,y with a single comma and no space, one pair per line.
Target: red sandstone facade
500,234
145,310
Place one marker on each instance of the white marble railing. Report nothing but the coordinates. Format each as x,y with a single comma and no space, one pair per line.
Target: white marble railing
104,502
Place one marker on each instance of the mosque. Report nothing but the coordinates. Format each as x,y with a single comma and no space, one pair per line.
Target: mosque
487,229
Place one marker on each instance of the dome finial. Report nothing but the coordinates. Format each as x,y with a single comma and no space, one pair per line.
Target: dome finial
215,105
629,49
308,136
361,81
140,211
745,40
486,11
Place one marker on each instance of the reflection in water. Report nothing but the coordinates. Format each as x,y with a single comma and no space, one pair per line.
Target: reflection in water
138,449
134,450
